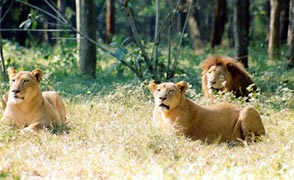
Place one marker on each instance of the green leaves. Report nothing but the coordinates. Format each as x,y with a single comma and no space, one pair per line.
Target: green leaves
31,22
26,24
119,53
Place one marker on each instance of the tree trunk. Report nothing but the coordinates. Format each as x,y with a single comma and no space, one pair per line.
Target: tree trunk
290,52
284,20
61,5
1,50
194,29
219,22
241,30
274,42
110,20
86,24
21,37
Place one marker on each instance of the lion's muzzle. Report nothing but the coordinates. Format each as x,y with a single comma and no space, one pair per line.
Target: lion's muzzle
15,94
162,106
15,91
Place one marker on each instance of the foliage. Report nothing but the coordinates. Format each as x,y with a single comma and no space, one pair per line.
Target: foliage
154,65
144,16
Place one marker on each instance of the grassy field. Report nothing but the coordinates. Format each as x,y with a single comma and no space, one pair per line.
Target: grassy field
111,134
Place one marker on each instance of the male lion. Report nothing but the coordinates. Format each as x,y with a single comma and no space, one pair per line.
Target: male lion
224,73
213,123
26,105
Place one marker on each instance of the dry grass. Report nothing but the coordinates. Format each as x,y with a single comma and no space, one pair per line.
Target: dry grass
113,137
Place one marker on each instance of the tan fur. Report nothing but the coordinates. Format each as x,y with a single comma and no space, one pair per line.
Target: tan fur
213,123
26,105
224,73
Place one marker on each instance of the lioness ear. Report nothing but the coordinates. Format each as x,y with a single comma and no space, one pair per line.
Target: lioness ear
183,86
152,86
11,71
37,74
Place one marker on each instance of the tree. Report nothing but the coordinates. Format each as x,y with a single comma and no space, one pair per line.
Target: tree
219,22
1,51
110,20
274,43
86,24
290,52
61,4
284,20
241,30
194,29
145,65
21,37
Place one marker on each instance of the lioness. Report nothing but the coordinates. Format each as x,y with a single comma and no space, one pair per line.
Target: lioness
26,105
214,123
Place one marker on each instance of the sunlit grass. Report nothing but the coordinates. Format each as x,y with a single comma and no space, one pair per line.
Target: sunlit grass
111,136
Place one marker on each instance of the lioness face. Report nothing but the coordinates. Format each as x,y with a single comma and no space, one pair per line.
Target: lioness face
167,96
22,84
216,77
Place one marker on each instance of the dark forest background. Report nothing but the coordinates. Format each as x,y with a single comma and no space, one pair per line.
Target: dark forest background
147,37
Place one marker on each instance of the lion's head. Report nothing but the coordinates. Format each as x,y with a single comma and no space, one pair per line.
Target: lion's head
23,85
224,73
217,77
167,96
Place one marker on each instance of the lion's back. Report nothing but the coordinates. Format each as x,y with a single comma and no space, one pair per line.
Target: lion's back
54,104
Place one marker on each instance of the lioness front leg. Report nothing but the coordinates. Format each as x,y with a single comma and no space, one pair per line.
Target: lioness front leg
32,127
4,101
250,123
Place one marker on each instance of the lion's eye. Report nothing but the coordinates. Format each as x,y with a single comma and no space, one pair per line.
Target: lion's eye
158,90
25,80
171,91
13,80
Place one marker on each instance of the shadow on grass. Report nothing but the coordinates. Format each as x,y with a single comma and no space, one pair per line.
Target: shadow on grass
60,130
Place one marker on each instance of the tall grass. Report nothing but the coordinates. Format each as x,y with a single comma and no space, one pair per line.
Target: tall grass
111,134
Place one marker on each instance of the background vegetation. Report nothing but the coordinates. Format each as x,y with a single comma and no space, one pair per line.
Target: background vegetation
111,134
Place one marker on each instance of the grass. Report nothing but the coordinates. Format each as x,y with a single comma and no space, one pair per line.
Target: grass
112,135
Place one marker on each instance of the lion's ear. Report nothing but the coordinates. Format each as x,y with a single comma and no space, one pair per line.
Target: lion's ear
230,66
152,86
183,86
37,74
11,71
233,68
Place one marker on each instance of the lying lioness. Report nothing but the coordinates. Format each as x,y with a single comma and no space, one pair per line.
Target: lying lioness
214,123
26,105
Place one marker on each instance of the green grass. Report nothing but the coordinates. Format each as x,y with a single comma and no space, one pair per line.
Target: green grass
112,135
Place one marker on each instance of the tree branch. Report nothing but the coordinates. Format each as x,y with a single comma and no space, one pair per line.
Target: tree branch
130,19
57,12
181,39
65,23
168,73
41,10
6,12
1,51
156,39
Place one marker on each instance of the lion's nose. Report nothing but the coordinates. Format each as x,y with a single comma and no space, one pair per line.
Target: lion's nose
212,82
162,98
16,91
